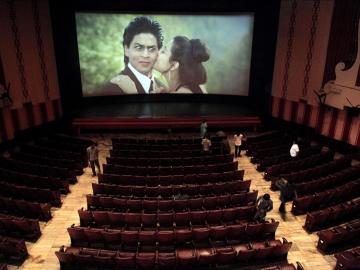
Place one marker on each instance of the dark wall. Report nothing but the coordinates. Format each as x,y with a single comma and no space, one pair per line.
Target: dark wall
263,52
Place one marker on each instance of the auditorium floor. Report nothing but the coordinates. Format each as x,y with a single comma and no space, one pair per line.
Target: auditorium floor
54,233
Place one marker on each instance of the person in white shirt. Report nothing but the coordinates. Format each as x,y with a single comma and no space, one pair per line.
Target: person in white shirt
238,142
294,150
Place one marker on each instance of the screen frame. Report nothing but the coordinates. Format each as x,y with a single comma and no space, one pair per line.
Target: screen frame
265,28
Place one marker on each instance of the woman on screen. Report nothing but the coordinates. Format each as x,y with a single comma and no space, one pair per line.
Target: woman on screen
180,62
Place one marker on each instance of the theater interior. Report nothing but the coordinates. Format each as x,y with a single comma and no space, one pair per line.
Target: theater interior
279,72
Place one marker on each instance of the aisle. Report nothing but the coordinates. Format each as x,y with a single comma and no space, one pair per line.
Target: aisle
304,244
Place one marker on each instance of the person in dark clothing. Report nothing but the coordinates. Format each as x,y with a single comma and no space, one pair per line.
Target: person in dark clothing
142,40
263,205
285,192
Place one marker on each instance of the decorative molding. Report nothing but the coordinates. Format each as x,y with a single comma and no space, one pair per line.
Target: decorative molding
311,42
18,48
40,47
344,86
290,42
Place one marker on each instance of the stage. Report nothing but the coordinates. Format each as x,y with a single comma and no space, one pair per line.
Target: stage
163,115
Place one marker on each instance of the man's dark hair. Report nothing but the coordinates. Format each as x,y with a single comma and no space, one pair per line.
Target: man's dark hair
266,196
142,25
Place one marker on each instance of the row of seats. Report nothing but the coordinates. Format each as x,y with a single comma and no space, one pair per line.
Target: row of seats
328,181
74,167
97,202
332,215
170,170
271,143
339,236
298,164
166,219
31,194
83,142
12,250
323,199
36,169
164,162
19,227
159,141
260,154
170,239
173,190
182,258
348,259
23,208
3,266
157,147
285,157
31,180
317,171
161,154
165,180
55,153
66,145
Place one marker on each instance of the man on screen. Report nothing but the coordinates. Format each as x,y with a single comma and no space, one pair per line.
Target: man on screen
142,40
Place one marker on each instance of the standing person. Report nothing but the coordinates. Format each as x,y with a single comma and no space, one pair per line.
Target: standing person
93,157
294,150
238,142
181,64
263,205
203,129
142,39
285,191
206,143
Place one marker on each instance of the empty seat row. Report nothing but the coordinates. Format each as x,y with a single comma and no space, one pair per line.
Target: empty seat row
19,227
55,153
67,145
166,180
76,168
173,190
31,194
156,147
34,180
184,258
169,170
166,219
176,161
23,208
323,199
328,181
348,259
36,169
298,164
14,251
170,239
97,202
339,236
85,142
332,215
174,140
285,157
317,171
160,154
274,142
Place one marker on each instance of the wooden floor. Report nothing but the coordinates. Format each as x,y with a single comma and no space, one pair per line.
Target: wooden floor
54,233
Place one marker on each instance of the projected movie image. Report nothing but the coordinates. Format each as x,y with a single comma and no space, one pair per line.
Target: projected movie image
122,54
